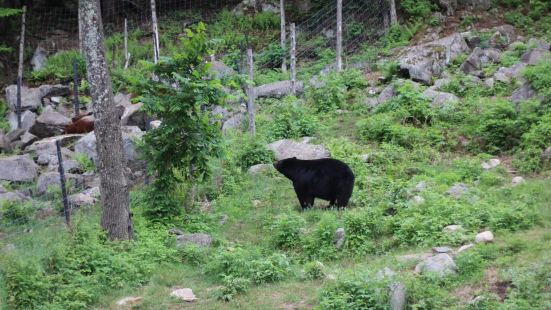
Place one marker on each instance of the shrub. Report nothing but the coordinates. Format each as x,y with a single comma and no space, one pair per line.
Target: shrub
314,270
355,293
16,213
498,127
272,56
537,139
470,264
332,94
85,162
254,152
271,269
232,286
418,9
287,231
4,124
540,81
291,120
362,230
319,244
60,67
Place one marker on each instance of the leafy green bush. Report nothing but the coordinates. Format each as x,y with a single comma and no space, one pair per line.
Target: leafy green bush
319,244
15,212
254,152
470,264
271,269
537,139
60,67
85,162
314,270
540,81
272,56
4,124
232,286
418,9
287,231
498,128
291,120
362,230
332,94
355,293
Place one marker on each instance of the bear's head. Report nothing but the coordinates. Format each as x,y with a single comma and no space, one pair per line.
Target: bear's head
284,166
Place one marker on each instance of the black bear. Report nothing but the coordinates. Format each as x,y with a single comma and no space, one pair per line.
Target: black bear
327,179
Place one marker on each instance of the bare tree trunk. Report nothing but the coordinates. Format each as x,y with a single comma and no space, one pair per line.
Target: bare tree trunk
293,59
339,35
250,93
20,65
283,34
393,15
116,218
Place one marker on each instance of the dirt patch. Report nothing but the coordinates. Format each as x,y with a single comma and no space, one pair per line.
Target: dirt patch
490,283
497,287
295,306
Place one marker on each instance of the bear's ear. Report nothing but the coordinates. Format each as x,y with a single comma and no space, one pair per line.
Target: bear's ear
294,157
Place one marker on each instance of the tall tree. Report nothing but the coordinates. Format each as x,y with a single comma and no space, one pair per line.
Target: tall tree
115,217
393,15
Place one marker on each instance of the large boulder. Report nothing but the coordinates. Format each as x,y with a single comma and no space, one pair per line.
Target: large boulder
47,145
523,93
18,169
277,89
503,36
30,98
302,150
478,58
441,265
449,5
202,240
440,99
28,119
423,62
130,134
220,70
50,123
57,90
507,75
534,56
12,197
134,116
51,179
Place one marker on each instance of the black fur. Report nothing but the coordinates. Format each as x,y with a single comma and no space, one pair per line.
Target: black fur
327,179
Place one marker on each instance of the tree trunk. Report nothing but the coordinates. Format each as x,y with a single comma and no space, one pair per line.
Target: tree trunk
116,218
393,15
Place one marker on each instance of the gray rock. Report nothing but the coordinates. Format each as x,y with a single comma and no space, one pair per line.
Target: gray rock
546,155
261,168
30,98
202,240
517,180
49,179
418,200
50,123
439,264
441,99
484,237
340,237
425,61
538,43
18,169
484,5
5,143
302,150
503,36
220,70
234,122
92,192
525,92
69,165
27,119
385,273
491,164
129,301
123,99
277,89
134,116
442,249
458,190
40,58
398,296
130,134
81,200
184,294
2,189
176,231
27,139
506,75
387,93
534,56
489,82
453,228
15,135
12,197
449,6
57,90
465,247
478,58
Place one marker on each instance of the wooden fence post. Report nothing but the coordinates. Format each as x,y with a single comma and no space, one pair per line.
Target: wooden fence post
293,59
339,35
66,208
126,55
76,101
156,44
250,92
283,34
20,65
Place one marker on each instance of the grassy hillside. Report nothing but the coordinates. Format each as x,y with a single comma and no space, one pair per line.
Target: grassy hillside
406,153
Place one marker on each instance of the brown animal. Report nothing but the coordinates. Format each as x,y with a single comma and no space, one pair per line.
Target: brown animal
81,124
